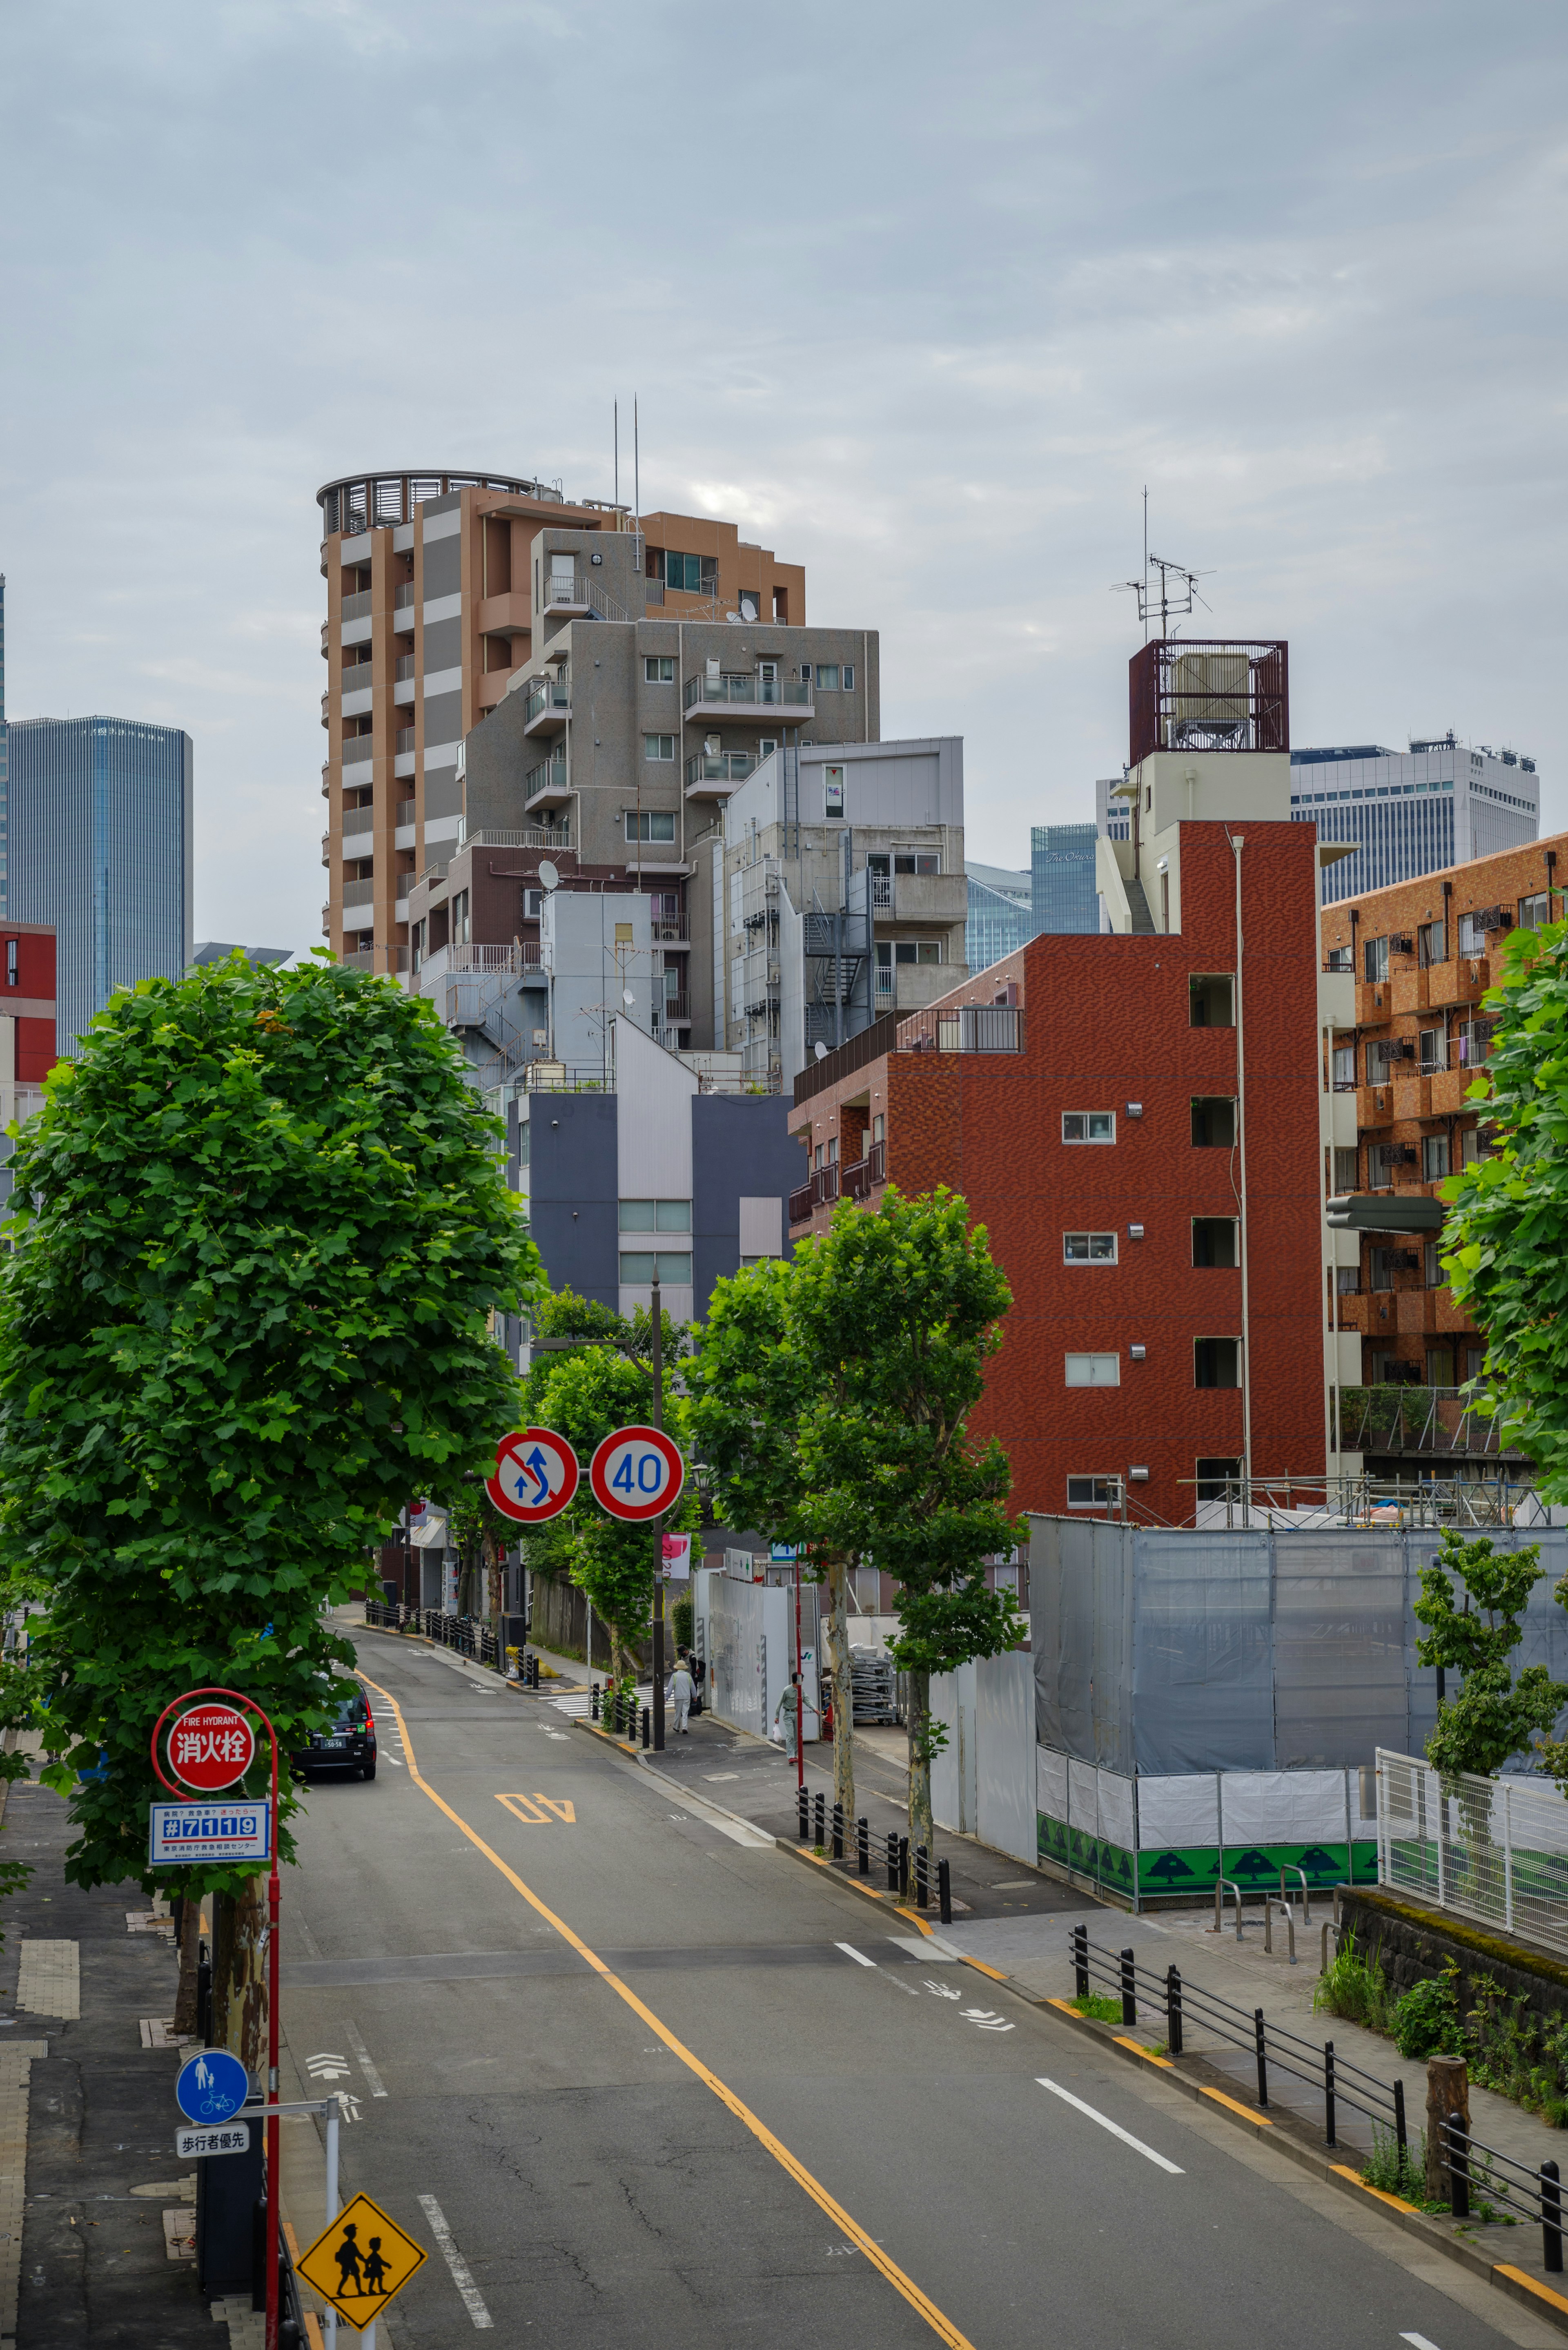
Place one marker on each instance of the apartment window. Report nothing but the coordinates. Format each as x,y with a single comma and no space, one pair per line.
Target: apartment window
767,746
1216,1362
653,824
1385,1264
460,924
1432,1053
1475,1362
638,1266
1339,958
849,677
1213,1122
1470,1147
692,574
1375,959
824,674
1344,1068
1089,1126
1093,1370
1214,1240
1434,1157
1440,1366
1346,1170
1093,1492
417,945
1347,1280
533,904
878,1127
12,974
1472,937
658,746
1216,1478
1533,912
1434,1266
1211,1001
1432,944
659,669
655,1215
914,860
917,951
1089,1248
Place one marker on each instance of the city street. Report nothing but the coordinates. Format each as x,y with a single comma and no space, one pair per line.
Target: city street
635,2076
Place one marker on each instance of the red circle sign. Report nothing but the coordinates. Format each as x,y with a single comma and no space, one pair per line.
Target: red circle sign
536,1475
636,1472
212,1747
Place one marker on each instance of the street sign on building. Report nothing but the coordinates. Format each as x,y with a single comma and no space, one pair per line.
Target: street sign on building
360,2262
197,2145
212,1747
233,1828
211,2087
536,1475
636,1472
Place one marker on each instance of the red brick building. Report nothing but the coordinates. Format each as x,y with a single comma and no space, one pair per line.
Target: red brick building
26,1008
1145,1162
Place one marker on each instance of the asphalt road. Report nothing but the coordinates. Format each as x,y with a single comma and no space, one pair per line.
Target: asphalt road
654,2099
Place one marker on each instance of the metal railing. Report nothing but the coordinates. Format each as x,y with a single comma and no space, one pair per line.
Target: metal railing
1472,1043
469,1636
1492,1849
403,668
578,591
525,836
549,776
552,693
782,692
727,767
1533,2196
357,605
388,959
404,596
1415,1420
962,1028
674,1010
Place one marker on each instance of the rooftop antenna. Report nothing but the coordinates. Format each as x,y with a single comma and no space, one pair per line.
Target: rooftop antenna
637,475
1178,590
617,458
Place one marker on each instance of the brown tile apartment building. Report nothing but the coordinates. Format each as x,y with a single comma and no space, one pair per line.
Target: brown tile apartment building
430,617
1422,956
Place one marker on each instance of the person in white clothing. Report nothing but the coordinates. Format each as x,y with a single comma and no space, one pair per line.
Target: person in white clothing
789,1714
682,1689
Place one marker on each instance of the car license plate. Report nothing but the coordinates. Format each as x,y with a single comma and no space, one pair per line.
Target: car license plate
334,1745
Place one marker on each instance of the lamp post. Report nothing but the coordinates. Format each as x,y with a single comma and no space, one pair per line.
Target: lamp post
657,1421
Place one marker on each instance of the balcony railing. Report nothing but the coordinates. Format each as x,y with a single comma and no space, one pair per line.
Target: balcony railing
522,836
1428,1421
861,1176
819,1191
496,961
404,813
404,598
390,959
403,668
749,691
576,592
1471,1042
358,608
403,742
550,774
552,693
1210,694
727,767
675,1010
964,1028
882,892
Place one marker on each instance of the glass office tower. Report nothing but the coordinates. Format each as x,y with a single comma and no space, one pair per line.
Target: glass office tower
1063,866
100,820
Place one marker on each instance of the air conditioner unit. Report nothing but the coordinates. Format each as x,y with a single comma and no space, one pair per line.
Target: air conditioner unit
1401,946
773,974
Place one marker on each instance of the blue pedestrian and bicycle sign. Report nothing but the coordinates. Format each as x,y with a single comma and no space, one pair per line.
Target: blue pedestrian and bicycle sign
212,2087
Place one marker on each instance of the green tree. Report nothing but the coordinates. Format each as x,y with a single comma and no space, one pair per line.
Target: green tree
479,1532
836,1392
1493,1715
260,1230
1506,1239
603,1381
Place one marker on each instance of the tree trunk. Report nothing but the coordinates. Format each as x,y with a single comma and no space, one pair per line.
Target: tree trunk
842,1699
922,1829
189,1947
1447,2099
239,1976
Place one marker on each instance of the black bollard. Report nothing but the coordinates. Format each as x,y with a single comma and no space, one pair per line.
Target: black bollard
838,1832
903,1868
647,1727
921,1865
863,1844
892,1862
803,1811
945,1892
819,1815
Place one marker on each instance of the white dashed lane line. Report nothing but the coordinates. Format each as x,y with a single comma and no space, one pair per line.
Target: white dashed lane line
1115,2128
858,1956
462,2275
378,2087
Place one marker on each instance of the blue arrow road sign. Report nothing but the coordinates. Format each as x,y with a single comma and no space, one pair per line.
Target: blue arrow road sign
212,2087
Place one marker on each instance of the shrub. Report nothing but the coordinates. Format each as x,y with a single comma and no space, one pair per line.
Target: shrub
1426,2021
1356,1988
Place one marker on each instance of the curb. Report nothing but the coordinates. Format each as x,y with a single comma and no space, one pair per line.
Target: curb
810,1858
1514,2282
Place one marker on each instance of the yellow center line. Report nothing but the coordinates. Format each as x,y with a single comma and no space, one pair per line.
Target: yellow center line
943,2327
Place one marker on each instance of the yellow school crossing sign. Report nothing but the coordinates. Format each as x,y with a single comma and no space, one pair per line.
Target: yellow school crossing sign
359,2261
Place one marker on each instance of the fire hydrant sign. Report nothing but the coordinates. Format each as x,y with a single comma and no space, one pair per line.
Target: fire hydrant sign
359,2261
535,1475
636,1472
212,1747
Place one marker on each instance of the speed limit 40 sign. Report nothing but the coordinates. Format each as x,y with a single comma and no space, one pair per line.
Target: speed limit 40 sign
636,1472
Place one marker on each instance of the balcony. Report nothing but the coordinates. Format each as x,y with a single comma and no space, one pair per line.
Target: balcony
674,1011
574,595
375,959
1429,1422
748,696
963,1029
544,787
525,836
327,848
1374,1106
404,598
504,616
921,897
357,607
713,778
548,704
403,669
820,1192
403,743
861,1176
1463,981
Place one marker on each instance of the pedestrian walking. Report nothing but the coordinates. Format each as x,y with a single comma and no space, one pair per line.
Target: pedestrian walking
789,1714
682,1689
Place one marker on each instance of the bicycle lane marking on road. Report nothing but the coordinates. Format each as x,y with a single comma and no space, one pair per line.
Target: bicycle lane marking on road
943,2327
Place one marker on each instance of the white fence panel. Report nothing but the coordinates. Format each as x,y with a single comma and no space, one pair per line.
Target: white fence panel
1004,1754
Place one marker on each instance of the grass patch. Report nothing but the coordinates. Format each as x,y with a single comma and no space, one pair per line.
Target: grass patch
1391,2174
1096,2004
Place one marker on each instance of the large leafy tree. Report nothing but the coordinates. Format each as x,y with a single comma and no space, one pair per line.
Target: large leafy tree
868,1354
261,1229
1473,1631
1506,1240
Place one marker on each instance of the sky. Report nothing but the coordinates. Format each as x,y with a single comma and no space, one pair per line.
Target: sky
923,299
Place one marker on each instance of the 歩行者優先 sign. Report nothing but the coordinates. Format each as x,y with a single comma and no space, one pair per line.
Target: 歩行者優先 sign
636,1472
228,2138
232,1829
210,1747
359,2261
536,1475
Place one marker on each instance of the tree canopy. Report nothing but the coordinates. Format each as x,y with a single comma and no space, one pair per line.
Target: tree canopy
261,1228
1493,1716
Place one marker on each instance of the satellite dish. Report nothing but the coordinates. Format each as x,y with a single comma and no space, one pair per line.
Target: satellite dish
548,877
628,998
822,1052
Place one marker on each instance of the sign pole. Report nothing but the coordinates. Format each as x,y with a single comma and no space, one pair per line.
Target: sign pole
657,1421
800,1683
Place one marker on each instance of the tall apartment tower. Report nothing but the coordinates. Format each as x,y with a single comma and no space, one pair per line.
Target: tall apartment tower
436,589
1407,814
100,824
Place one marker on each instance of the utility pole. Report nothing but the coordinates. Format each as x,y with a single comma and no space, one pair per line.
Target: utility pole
657,1421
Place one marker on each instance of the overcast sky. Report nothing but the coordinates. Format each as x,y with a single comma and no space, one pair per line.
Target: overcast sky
922,296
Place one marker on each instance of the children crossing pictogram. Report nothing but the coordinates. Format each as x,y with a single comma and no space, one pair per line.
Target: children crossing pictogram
360,2262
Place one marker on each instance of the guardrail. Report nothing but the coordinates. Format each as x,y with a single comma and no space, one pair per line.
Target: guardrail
469,1636
1532,2195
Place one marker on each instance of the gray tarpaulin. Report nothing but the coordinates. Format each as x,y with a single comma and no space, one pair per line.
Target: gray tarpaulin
1175,1653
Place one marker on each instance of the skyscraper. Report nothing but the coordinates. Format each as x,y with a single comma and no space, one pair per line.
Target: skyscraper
1001,913
1440,803
4,748
1062,862
99,818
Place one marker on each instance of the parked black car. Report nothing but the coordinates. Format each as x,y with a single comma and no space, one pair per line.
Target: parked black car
348,1745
